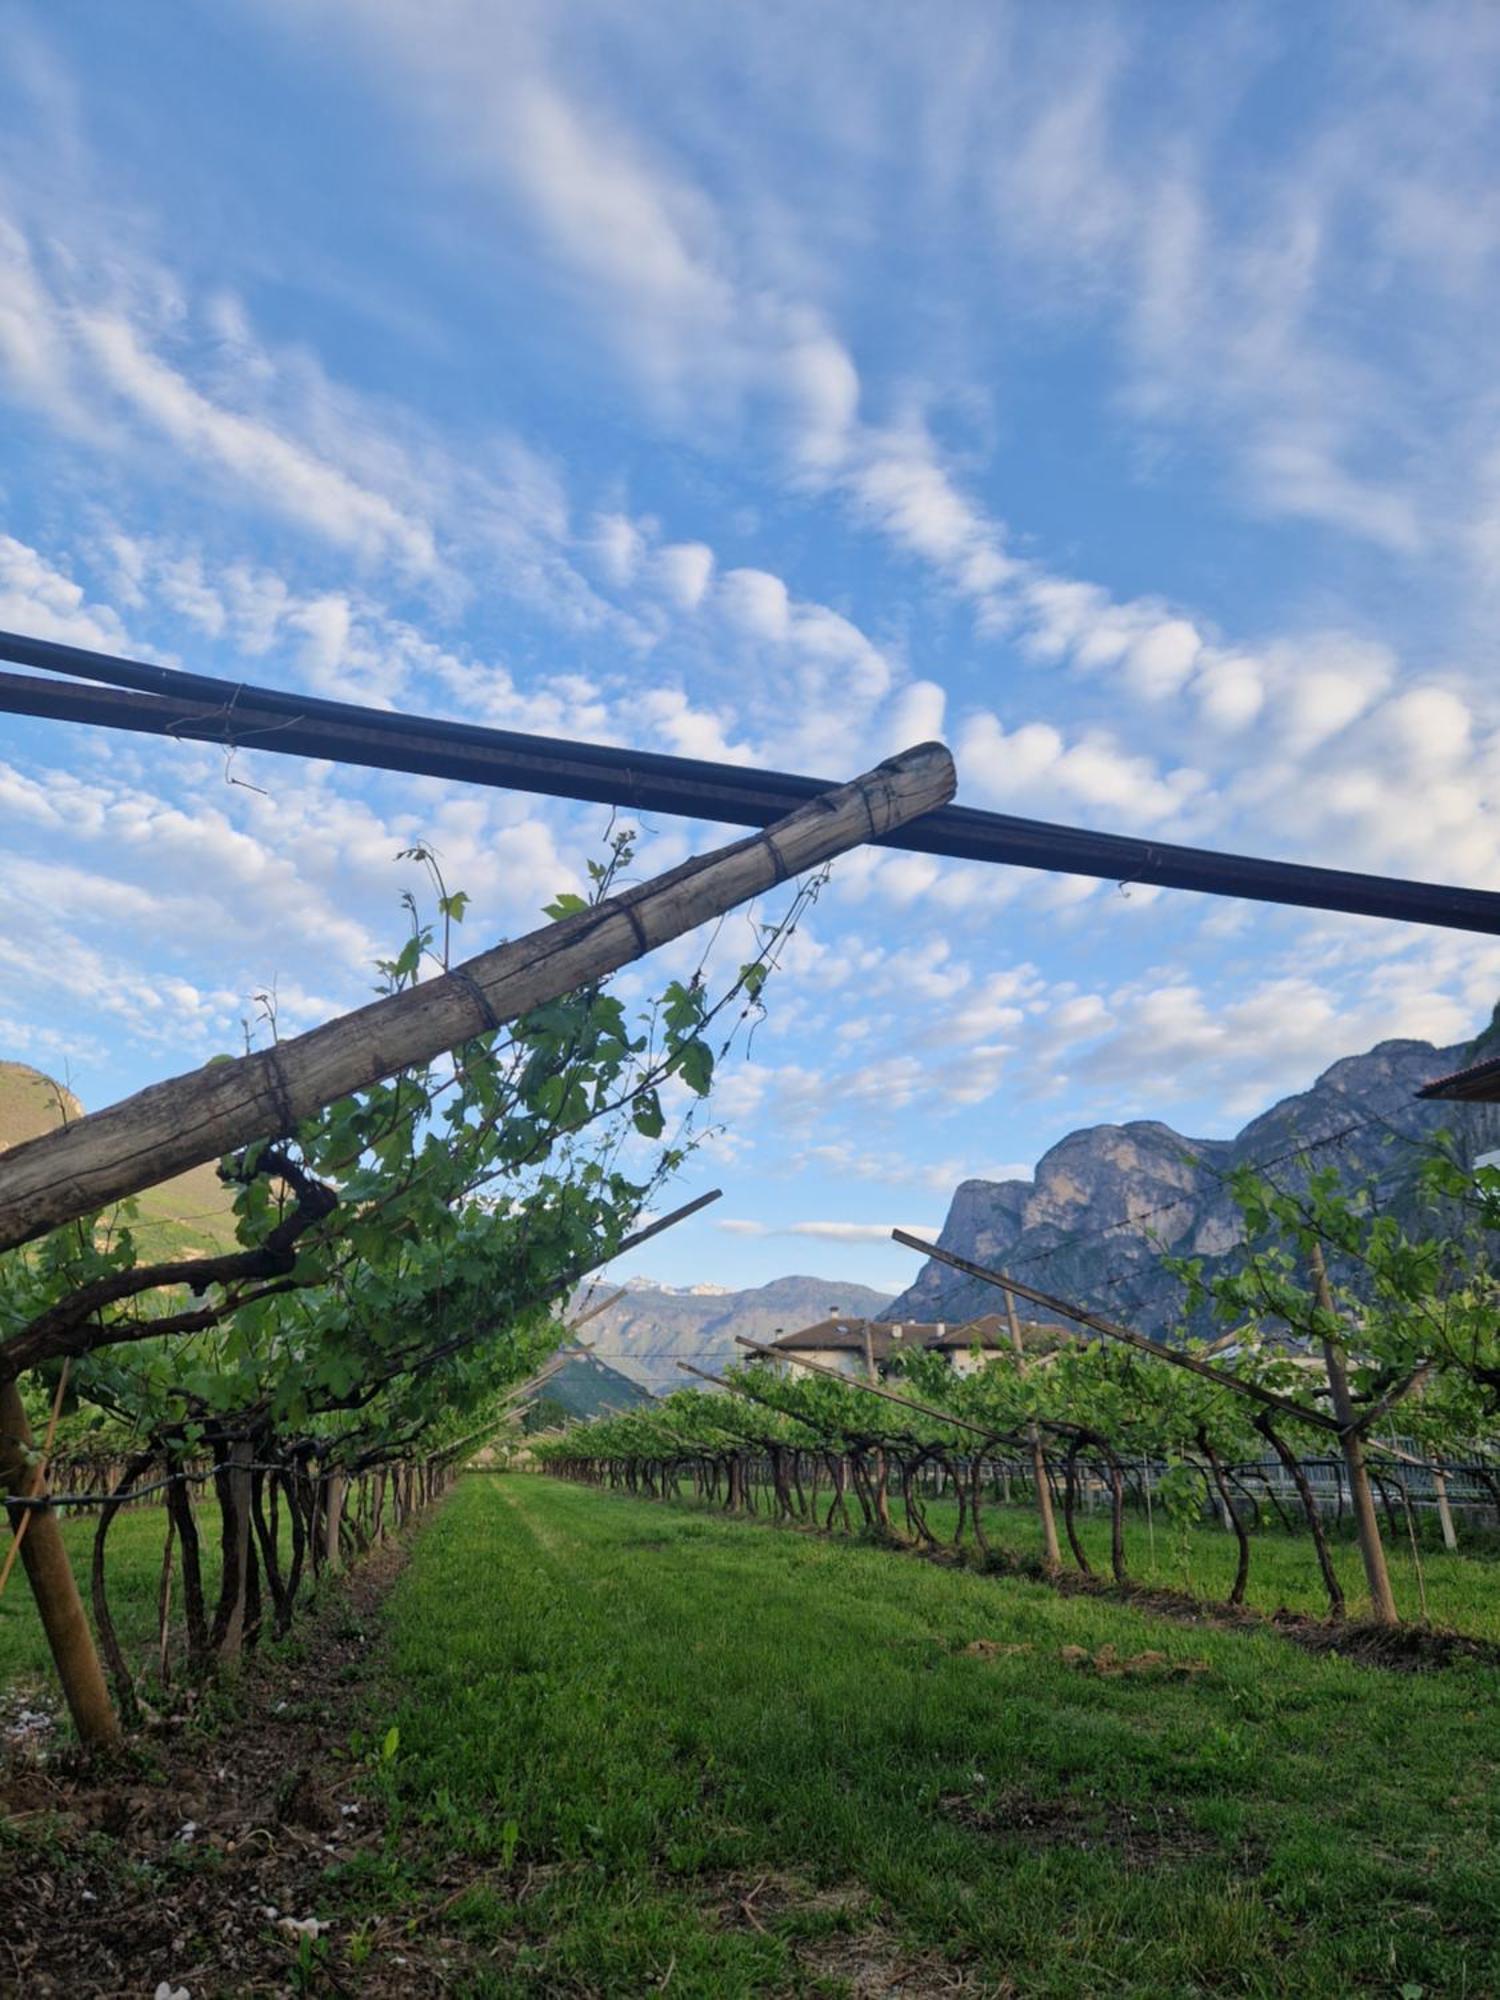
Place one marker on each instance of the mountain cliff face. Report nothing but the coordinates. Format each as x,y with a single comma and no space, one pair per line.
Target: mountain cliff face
1104,1202
654,1327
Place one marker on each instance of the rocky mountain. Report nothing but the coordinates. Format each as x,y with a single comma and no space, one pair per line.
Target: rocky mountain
1104,1202
655,1326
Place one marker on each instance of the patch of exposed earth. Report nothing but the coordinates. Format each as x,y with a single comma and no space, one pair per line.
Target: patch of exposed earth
212,1857
837,1937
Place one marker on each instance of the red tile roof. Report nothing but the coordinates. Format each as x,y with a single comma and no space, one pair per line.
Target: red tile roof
1477,1085
847,1335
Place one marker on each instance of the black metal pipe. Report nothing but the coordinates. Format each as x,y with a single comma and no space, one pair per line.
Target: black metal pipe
167,701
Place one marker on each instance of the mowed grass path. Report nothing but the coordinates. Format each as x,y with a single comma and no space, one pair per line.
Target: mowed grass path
619,1717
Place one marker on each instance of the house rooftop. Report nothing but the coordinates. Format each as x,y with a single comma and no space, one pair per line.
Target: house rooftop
990,1330
838,1334
1480,1084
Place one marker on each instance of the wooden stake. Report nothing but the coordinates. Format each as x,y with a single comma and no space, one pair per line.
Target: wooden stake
1366,1523
164,1605
333,1517
872,1373
234,1489
195,1118
38,1477
1051,1552
1445,1512
53,1585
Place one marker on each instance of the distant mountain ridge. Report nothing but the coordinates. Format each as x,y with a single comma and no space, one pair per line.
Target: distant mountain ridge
655,1326
586,1387
1091,1225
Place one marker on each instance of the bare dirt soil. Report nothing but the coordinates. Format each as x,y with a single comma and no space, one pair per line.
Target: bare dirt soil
203,1857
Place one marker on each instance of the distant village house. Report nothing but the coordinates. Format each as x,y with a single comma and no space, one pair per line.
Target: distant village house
862,1347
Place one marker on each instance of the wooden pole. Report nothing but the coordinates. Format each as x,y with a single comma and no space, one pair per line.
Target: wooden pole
1445,1512
1366,1419
569,1283
235,1543
639,1236
53,1585
1366,1523
198,1117
594,1311
1114,1331
333,1517
1051,1552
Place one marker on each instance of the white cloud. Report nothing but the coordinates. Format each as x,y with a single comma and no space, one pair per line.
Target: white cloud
619,545
1297,473
756,602
284,474
33,347
685,569
44,602
830,1232
1035,763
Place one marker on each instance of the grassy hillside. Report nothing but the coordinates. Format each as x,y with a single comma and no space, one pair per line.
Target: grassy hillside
585,1387
31,1103
189,1214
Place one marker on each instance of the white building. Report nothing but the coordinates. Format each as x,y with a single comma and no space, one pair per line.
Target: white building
856,1347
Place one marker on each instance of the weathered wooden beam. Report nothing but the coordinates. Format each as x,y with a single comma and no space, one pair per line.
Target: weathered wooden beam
552,1366
704,1376
191,1119
1112,1330
594,1311
50,1575
740,1389
766,1402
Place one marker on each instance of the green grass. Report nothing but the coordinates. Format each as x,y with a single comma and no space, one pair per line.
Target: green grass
616,1717
1462,1589
135,1547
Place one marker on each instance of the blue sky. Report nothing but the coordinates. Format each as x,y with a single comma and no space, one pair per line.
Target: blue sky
1112,391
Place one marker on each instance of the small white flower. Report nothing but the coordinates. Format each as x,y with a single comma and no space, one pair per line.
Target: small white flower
187,1830
348,1812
